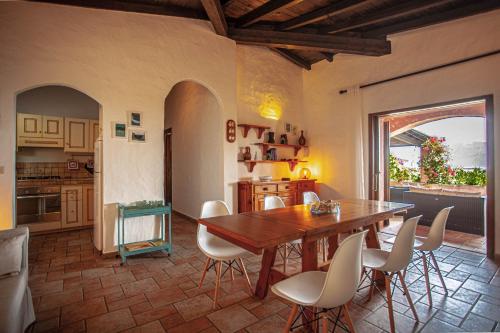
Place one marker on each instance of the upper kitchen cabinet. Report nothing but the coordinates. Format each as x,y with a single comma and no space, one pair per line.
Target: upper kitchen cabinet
39,131
76,135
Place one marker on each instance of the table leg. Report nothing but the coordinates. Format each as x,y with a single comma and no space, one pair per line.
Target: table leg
265,271
333,244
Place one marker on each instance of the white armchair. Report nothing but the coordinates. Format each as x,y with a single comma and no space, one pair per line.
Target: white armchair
16,306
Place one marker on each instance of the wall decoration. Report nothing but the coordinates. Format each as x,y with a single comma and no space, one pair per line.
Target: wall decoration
135,118
118,130
288,127
73,165
137,135
302,139
231,131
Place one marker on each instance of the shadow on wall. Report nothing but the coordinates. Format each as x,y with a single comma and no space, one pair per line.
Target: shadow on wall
194,114
326,192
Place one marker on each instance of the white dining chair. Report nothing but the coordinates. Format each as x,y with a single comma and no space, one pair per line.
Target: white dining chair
327,291
286,250
431,242
392,263
218,250
309,198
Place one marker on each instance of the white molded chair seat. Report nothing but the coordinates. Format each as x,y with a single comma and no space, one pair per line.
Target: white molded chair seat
217,249
310,197
304,288
326,290
391,263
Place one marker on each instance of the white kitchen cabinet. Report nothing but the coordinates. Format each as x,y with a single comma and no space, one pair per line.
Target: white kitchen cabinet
71,206
88,204
53,127
39,131
76,135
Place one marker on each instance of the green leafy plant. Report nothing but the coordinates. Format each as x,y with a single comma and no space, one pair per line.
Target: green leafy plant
399,173
476,176
435,161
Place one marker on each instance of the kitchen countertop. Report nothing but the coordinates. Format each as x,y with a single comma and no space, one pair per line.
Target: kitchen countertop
55,182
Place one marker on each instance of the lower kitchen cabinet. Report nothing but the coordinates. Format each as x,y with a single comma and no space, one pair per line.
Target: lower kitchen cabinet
88,204
71,206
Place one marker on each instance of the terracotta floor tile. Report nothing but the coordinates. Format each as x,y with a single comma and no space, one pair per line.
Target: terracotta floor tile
140,307
116,279
152,327
195,307
46,288
82,310
141,286
51,301
126,302
102,292
232,319
163,297
167,297
154,314
172,321
193,326
110,322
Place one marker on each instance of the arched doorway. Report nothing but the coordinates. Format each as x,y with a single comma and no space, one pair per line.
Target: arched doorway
194,152
57,127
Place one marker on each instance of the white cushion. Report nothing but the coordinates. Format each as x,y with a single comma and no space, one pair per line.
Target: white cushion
12,255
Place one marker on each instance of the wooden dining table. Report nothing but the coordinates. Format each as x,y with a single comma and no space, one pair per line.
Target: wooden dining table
262,232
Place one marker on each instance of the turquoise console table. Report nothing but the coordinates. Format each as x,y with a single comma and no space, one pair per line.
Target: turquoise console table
158,244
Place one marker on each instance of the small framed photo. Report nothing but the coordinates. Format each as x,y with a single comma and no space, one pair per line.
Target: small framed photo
73,165
137,135
135,118
118,130
288,127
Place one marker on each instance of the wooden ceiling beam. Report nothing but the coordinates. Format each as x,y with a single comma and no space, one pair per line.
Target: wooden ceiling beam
216,16
312,42
267,8
320,14
167,10
383,15
292,57
475,7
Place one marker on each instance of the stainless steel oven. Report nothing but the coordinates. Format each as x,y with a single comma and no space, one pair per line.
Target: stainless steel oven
38,204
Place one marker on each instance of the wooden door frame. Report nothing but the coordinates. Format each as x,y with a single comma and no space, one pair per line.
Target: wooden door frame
167,165
374,155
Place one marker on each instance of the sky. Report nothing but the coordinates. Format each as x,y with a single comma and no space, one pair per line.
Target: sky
460,134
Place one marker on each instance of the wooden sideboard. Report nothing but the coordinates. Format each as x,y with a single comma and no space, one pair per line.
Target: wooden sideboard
251,194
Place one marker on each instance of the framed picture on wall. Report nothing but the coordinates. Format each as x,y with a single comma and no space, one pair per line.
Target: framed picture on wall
135,118
288,127
118,130
137,135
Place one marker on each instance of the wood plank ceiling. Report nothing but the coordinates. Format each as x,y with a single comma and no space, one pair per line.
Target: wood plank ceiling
306,31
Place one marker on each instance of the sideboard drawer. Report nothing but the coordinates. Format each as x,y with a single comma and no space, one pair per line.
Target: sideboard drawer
306,185
265,188
287,187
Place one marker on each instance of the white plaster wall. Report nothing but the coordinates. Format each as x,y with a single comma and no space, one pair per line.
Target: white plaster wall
263,74
125,61
194,115
341,120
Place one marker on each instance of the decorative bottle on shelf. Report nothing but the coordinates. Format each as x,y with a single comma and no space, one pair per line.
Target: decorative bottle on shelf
247,155
270,137
302,139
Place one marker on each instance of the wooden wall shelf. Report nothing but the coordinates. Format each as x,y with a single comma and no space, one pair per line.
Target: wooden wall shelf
260,129
264,146
251,163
